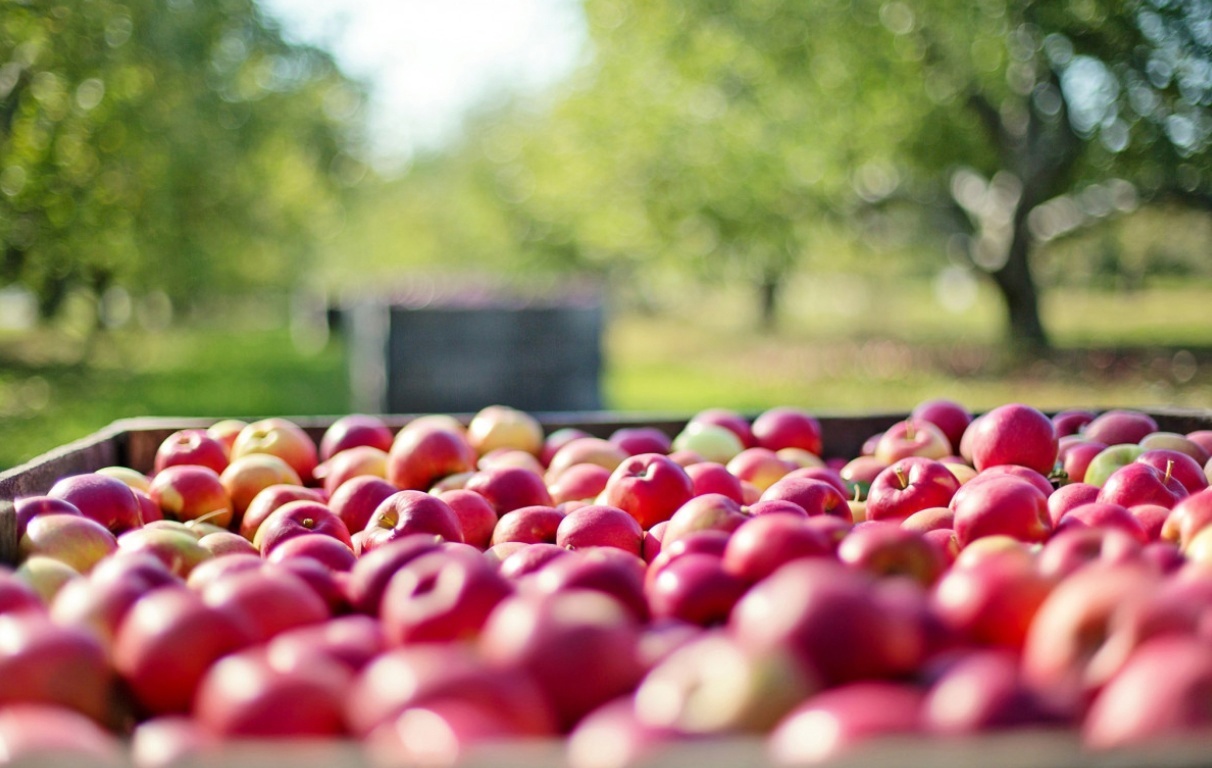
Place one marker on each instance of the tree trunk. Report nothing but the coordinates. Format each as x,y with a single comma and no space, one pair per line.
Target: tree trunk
769,291
1025,328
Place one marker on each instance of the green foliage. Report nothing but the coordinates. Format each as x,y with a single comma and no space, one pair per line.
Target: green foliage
181,147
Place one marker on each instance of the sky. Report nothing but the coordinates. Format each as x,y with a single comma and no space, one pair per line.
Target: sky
430,61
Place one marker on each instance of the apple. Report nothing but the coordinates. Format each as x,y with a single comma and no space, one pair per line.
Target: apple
584,450
441,732
1173,441
636,440
440,598
177,548
949,416
1140,483
352,431
1075,456
759,466
712,477
1120,426
788,427
909,485
554,638
510,457
888,549
930,519
802,458
911,437
993,600
556,440
711,441
361,460
816,497
420,457
221,543
528,559
247,476
268,600
372,571
1014,434
528,525
580,482
167,642
191,446
45,576
1103,515
29,507
984,691
1069,496
1187,518
600,525
712,511
1000,505
1177,464
714,685
282,438
510,488
351,641
724,417
245,695
834,723
45,663
45,734
477,519
1152,519
650,487
499,426
406,513
1110,459
105,499
331,552
226,431
706,542
354,502
135,480
17,595
1075,547
695,588
1071,421
299,518
73,539
191,492
614,730
606,570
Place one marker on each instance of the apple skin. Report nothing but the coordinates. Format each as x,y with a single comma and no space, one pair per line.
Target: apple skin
178,549
351,641
268,600
29,507
586,450
816,497
1108,460
788,427
353,462
833,723
406,513
44,734
243,695
556,440
1069,496
695,588
499,426
282,438
1014,434
247,476
711,477
991,600
581,482
528,559
355,501
226,431
762,544
1075,456
1179,465
299,518
528,525
1074,548
45,663
440,598
712,442
355,430
1071,421
105,499
609,571
949,416
189,492
650,487
420,457
712,511
269,499
509,488
1187,518
1173,441
830,618
729,419
1120,426
554,638
16,595
1139,483
373,570
1000,505
887,549
911,437
167,642
908,486
327,550
1103,515
636,440
930,519
191,446
1157,696
477,519
759,466
600,525
74,539
984,691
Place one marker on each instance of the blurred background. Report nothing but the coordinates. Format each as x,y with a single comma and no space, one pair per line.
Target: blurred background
239,208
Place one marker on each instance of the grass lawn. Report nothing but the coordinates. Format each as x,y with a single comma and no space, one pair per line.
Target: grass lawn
843,347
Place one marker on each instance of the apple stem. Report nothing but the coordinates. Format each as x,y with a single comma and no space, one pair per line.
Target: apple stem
901,477
858,492
909,429
1169,470
206,517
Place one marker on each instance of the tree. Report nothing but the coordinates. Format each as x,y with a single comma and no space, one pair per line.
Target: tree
184,147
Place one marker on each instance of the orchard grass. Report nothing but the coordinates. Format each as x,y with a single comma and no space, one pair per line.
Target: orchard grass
842,346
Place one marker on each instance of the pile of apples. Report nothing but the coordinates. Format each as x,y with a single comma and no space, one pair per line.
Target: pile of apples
453,587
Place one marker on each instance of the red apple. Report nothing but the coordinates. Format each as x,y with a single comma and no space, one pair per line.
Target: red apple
764,543
991,601
930,519
614,729
888,549
1075,456
73,539
191,446
1074,548
327,550
189,492
299,518
911,437
788,427
177,548
107,500
226,431
1069,496
1178,465
171,740
832,724
405,513
948,415
1014,434
1072,421
477,519
509,488
759,466
650,487
370,574
636,440
29,507
359,461
529,525
711,511
606,570
816,497
282,438
695,588
910,485
438,597
1103,515
983,691
600,525
723,417
585,450
1120,426
1003,505
43,734
355,501
268,601
556,440
711,477
352,431
581,482
1139,483
529,558
420,457
269,499
16,595
44,663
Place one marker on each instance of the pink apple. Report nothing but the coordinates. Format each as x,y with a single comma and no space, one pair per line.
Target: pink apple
788,427
529,525
930,519
1069,496
222,543
636,440
888,549
352,431
585,450
711,477
1187,518
1014,434
73,539
268,601
600,525
440,598
405,513
695,588
650,487
1173,441
299,518
1071,422
993,600
912,437
282,438
1178,465
759,466
529,558
107,500
1075,456
833,723
354,502
948,415
226,431
43,734
477,519
1120,426
420,457
44,663
29,507
359,461
177,548
981,691
556,440
331,552
607,570
370,574
190,492
191,446
909,485
1103,515
1076,547
816,497
723,417
1139,483
580,482
509,488
1004,505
